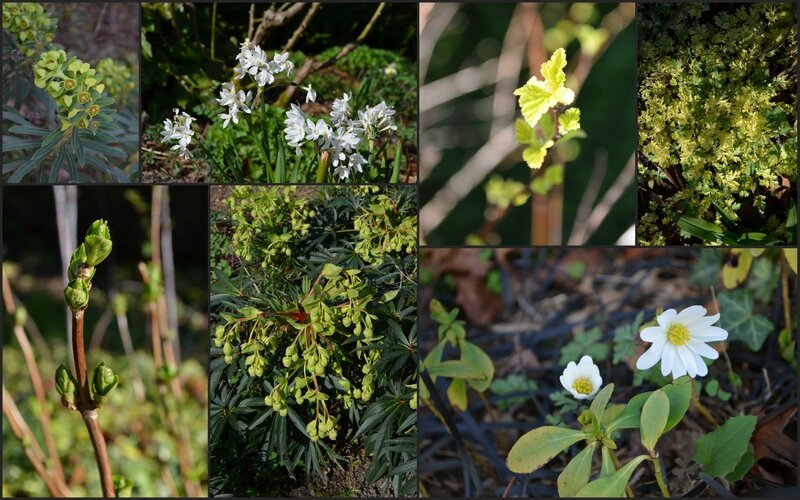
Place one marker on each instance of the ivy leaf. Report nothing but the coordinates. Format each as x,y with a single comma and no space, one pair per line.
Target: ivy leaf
536,97
570,120
706,271
738,319
720,451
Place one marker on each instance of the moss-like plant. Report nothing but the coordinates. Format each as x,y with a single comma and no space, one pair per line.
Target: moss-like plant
717,124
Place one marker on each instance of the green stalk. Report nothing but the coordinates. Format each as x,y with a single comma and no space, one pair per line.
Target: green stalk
660,476
396,164
322,167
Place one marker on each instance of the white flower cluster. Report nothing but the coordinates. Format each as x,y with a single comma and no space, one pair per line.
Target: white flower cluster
253,61
235,101
180,129
343,137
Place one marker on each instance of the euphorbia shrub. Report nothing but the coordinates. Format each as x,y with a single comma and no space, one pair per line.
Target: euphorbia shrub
717,123
314,345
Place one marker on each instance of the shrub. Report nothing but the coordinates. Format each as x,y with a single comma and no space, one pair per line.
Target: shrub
717,117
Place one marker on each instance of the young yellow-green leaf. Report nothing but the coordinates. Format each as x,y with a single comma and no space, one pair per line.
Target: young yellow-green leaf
576,474
539,446
600,401
536,97
474,356
523,133
569,120
534,154
546,125
331,271
613,485
654,418
720,451
457,394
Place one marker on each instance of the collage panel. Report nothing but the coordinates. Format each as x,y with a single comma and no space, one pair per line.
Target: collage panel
123,344
717,119
607,372
70,92
279,92
527,116
314,346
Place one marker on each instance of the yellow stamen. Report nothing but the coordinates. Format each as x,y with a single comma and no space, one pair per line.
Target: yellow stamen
678,334
582,385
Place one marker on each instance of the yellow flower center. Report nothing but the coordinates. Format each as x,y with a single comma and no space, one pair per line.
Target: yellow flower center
678,334
582,385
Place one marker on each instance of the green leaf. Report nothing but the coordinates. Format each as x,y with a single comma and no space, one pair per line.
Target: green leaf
474,356
613,485
744,465
654,419
706,271
455,369
601,400
330,271
539,446
576,474
700,228
569,120
535,153
720,451
523,132
736,316
457,394
630,416
536,97
584,343
607,466
679,393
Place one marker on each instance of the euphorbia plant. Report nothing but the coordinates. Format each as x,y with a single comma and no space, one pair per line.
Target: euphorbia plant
79,392
678,341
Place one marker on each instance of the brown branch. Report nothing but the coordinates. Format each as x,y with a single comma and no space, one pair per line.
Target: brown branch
29,445
87,408
302,28
272,19
38,386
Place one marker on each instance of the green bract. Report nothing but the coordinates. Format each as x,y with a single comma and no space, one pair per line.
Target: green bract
74,87
717,135
30,25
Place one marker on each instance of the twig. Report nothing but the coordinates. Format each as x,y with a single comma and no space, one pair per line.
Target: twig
508,488
271,19
38,386
29,445
787,307
127,345
302,28
99,330
87,408
252,23
589,195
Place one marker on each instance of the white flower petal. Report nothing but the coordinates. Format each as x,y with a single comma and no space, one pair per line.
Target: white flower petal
703,322
652,355
702,369
703,349
652,333
710,334
668,359
687,360
665,319
690,314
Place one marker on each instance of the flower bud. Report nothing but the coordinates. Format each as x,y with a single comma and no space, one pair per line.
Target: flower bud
65,385
104,381
97,243
77,295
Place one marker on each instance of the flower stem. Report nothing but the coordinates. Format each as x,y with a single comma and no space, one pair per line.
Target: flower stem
659,476
87,409
700,407
322,167
618,466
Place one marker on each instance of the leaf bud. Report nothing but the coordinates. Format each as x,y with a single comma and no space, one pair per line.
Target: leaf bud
104,381
76,295
65,385
97,243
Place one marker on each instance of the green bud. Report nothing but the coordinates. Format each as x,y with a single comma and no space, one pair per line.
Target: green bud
77,264
104,381
65,385
97,243
283,412
123,487
227,349
20,316
77,294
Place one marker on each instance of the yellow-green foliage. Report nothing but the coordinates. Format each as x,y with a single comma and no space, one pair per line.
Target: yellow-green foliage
74,86
117,78
716,115
30,25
